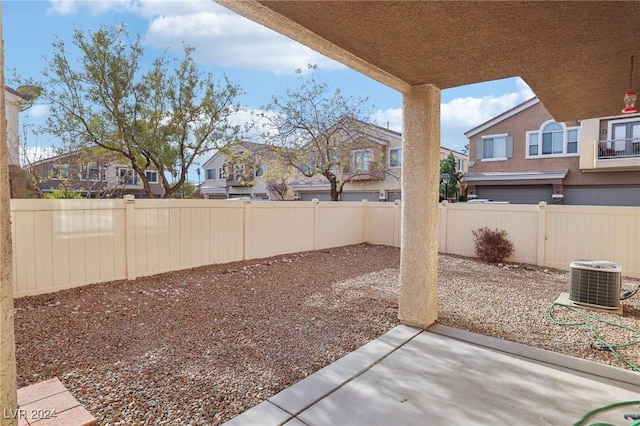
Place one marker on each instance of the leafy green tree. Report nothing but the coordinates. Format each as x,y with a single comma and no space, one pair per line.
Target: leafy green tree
448,165
315,131
64,193
164,117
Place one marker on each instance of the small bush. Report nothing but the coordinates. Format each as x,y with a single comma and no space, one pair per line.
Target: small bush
492,246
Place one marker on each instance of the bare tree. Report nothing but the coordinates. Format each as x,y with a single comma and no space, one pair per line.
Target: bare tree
279,188
320,132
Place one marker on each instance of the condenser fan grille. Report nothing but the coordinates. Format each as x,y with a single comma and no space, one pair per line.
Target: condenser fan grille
595,283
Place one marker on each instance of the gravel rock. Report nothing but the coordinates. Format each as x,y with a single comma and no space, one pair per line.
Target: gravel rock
198,347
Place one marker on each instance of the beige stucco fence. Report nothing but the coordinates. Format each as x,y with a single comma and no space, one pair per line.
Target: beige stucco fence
60,244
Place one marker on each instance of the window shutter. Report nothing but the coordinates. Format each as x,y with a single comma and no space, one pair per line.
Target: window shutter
509,143
479,149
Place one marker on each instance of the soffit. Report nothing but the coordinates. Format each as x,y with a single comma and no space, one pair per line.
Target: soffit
574,55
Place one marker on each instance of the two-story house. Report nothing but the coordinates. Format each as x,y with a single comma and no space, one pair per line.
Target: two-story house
242,172
377,164
91,173
524,156
386,147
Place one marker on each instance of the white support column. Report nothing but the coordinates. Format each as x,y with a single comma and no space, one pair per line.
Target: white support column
418,303
8,379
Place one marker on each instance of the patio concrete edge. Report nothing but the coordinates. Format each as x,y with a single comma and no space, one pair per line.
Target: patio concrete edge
288,403
603,372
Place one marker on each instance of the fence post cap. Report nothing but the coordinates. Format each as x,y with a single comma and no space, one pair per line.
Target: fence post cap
542,204
396,202
246,200
129,198
315,200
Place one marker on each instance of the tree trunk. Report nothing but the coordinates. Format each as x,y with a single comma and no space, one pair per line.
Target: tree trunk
145,184
335,195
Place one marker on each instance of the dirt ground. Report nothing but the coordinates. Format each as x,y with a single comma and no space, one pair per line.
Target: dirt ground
203,345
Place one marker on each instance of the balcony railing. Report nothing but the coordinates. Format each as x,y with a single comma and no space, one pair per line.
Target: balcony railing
619,148
239,180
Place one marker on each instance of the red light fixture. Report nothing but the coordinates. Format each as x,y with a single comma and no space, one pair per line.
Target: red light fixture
630,97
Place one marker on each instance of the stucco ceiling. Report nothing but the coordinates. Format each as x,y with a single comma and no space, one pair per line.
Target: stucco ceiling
574,55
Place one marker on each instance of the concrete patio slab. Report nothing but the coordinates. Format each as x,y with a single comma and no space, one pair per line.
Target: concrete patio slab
304,393
444,376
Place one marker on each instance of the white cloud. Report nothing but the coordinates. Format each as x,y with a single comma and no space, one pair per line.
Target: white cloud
389,118
220,36
461,114
31,154
229,40
37,110
63,7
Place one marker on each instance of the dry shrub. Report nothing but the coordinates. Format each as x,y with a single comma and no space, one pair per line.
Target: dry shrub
492,246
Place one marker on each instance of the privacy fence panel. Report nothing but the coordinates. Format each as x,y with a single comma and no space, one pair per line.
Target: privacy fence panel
519,221
59,244
172,235
382,223
339,224
593,232
273,228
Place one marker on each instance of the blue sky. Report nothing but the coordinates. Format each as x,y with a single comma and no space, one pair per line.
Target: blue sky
261,61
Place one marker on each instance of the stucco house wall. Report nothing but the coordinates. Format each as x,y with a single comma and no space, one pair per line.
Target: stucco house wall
568,178
71,171
218,175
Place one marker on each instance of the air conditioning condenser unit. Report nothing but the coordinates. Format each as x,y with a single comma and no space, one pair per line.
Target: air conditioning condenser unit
595,283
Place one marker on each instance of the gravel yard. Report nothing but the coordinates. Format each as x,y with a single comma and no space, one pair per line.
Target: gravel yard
200,346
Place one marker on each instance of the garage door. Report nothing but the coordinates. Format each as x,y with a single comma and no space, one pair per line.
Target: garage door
359,196
603,196
309,196
532,194
394,195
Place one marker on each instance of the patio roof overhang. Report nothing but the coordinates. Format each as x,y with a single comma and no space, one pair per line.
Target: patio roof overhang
574,55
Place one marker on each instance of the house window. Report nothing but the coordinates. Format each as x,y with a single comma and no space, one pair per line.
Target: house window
238,170
572,141
533,144
260,170
361,160
460,164
127,177
210,174
152,176
60,172
222,171
494,147
395,157
90,172
552,139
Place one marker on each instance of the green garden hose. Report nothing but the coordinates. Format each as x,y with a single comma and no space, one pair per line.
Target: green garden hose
606,408
604,344
601,341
